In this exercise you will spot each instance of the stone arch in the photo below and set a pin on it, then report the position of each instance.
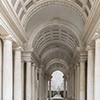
(46, 3)
(57, 23)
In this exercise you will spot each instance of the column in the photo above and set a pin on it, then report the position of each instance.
(75, 83)
(68, 87)
(28, 80)
(35, 94)
(7, 70)
(1, 69)
(36, 84)
(50, 89)
(64, 86)
(78, 81)
(22, 69)
(82, 78)
(97, 70)
(90, 74)
(40, 84)
(70, 83)
(33, 81)
(46, 78)
(46, 87)
(38, 90)
(17, 74)
(43, 86)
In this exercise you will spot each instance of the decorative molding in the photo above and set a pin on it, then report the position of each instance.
(6, 37)
(88, 48)
(96, 36)
(27, 56)
(11, 22)
(6, 29)
(82, 54)
(92, 26)
(17, 48)
(77, 64)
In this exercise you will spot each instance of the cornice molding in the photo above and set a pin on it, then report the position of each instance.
(92, 14)
(92, 26)
(10, 21)
(89, 48)
(6, 37)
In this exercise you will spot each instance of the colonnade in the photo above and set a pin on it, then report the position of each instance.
(76, 78)
(86, 73)
(19, 75)
(21, 78)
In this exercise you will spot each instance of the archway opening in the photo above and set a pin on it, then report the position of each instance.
(57, 85)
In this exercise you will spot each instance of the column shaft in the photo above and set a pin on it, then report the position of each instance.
(73, 85)
(50, 89)
(82, 80)
(1, 69)
(78, 83)
(70, 87)
(40, 84)
(28, 81)
(90, 75)
(46, 87)
(33, 82)
(17, 76)
(64, 87)
(97, 70)
(7, 71)
(22, 69)
(36, 91)
(67, 87)
(36, 84)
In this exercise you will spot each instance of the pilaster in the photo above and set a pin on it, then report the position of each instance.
(1, 68)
